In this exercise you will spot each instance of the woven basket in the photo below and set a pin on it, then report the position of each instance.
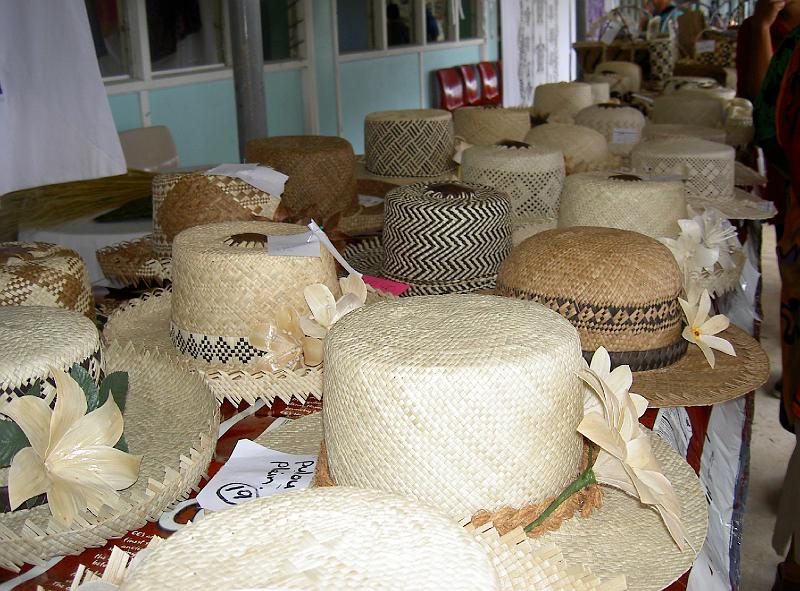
(621, 126)
(489, 125)
(561, 97)
(41, 274)
(663, 56)
(584, 149)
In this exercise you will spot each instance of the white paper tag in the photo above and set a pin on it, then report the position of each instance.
(369, 200)
(706, 46)
(294, 245)
(623, 135)
(254, 471)
(231, 170)
(261, 177)
(611, 32)
(326, 242)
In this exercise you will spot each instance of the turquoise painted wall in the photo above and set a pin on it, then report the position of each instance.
(285, 107)
(125, 110)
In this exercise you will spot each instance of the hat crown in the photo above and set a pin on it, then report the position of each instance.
(466, 402)
(584, 148)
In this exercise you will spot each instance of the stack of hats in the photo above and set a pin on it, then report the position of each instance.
(687, 110)
(41, 274)
(601, 92)
(709, 169)
(489, 125)
(567, 98)
(623, 201)
(584, 148)
(531, 177)
(622, 126)
(676, 130)
(439, 238)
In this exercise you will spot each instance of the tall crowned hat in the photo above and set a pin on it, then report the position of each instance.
(631, 71)
(617, 83)
(660, 131)
(499, 444)
(408, 146)
(601, 91)
(710, 172)
(489, 125)
(226, 289)
(584, 148)
(622, 126)
(41, 274)
(620, 289)
(687, 110)
(93, 493)
(180, 201)
(623, 201)
(561, 97)
(531, 177)
(439, 238)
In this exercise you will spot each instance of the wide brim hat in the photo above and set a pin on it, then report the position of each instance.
(621, 537)
(398, 181)
(171, 420)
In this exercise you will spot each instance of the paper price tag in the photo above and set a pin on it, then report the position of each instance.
(254, 471)
(294, 245)
(369, 200)
(611, 32)
(261, 177)
(706, 46)
(623, 135)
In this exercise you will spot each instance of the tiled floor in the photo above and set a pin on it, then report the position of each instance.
(771, 445)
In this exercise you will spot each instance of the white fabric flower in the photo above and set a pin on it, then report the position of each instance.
(626, 460)
(700, 329)
(285, 341)
(71, 457)
(325, 310)
(719, 234)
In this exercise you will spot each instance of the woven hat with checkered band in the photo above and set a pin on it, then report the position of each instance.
(181, 201)
(561, 97)
(620, 289)
(710, 172)
(171, 420)
(531, 177)
(471, 403)
(225, 288)
(584, 148)
(41, 274)
(620, 125)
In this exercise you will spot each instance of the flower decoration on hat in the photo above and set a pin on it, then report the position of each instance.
(72, 455)
(701, 329)
(325, 310)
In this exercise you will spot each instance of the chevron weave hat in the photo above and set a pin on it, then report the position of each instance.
(439, 238)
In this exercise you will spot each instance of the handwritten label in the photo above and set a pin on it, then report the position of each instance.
(254, 471)
(294, 245)
(611, 32)
(707, 46)
(623, 135)
(261, 177)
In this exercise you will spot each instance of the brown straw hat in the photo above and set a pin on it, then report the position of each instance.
(620, 289)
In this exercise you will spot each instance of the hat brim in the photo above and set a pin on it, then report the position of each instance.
(363, 174)
(135, 263)
(744, 206)
(623, 536)
(171, 420)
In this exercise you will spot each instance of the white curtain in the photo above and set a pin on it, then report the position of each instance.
(55, 120)
(537, 37)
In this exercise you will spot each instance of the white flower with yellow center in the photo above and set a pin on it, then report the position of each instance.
(72, 456)
(701, 329)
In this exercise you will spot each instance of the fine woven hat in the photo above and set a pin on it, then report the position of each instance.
(601, 92)
(681, 109)
(161, 186)
(620, 289)
(623, 201)
(349, 539)
(171, 420)
(660, 131)
(41, 274)
(719, 93)
(502, 432)
(561, 97)
(489, 125)
(629, 70)
(618, 84)
(620, 125)
(439, 238)
(710, 172)
(321, 171)
(584, 149)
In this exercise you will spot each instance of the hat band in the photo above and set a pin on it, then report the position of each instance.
(213, 349)
(645, 360)
(93, 364)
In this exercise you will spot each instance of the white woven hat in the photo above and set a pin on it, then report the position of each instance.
(561, 97)
(709, 170)
(617, 82)
(584, 148)
(675, 130)
(620, 125)
(171, 420)
(631, 71)
(675, 83)
(531, 177)
(489, 125)
(601, 91)
(686, 109)
(719, 93)
(623, 201)
(502, 435)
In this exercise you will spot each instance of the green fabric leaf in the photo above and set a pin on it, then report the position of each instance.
(35, 390)
(12, 439)
(85, 381)
(122, 445)
(117, 384)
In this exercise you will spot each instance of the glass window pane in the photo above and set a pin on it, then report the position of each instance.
(468, 21)
(184, 33)
(437, 21)
(107, 23)
(400, 23)
(356, 21)
(282, 24)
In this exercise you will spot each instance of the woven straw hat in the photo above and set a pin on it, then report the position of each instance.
(489, 125)
(349, 539)
(561, 97)
(601, 91)
(676, 83)
(503, 435)
(629, 70)
(620, 289)
(617, 82)
(660, 131)
(623, 201)
(710, 171)
(686, 109)
(584, 149)
(181, 201)
(719, 93)
(439, 238)
(620, 125)
(41, 274)
(171, 420)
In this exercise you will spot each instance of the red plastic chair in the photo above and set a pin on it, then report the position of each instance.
(490, 88)
(451, 89)
(471, 94)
